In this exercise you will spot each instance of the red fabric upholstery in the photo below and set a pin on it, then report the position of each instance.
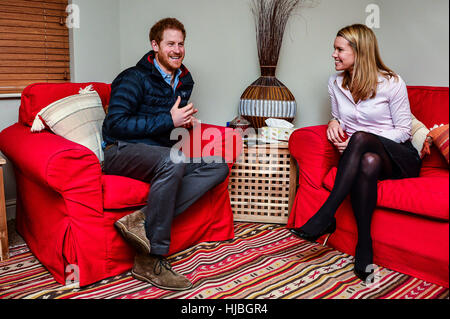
(410, 226)
(430, 106)
(66, 207)
(38, 95)
(132, 192)
(426, 196)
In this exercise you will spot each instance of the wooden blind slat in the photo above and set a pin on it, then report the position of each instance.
(34, 64)
(31, 70)
(42, 50)
(31, 24)
(33, 17)
(33, 57)
(26, 82)
(34, 43)
(32, 37)
(32, 11)
(25, 30)
(34, 77)
(50, 1)
(5, 88)
(33, 4)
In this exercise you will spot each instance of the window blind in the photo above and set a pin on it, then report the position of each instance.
(34, 43)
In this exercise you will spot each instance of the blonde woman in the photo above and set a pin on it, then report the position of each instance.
(369, 104)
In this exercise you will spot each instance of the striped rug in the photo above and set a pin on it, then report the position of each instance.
(263, 261)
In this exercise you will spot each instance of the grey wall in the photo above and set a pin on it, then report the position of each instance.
(222, 56)
(95, 46)
(221, 49)
(9, 113)
(414, 40)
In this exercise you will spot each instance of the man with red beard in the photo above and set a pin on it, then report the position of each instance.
(147, 102)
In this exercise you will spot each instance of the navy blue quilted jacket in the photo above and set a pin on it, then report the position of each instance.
(139, 108)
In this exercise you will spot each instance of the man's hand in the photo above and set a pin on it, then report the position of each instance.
(194, 121)
(183, 116)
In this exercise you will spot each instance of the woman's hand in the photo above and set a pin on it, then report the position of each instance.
(341, 146)
(335, 133)
(337, 136)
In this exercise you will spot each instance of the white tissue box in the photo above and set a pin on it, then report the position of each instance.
(276, 133)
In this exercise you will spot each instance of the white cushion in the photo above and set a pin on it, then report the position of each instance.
(419, 134)
(78, 118)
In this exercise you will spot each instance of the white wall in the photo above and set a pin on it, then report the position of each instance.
(95, 46)
(9, 113)
(222, 56)
(414, 40)
(221, 47)
(95, 56)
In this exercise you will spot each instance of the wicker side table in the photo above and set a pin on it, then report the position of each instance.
(4, 246)
(262, 184)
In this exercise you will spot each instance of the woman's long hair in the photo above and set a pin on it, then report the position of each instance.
(363, 81)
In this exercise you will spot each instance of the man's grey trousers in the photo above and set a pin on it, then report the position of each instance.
(173, 186)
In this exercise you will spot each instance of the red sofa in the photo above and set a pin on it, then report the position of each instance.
(410, 226)
(66, 207)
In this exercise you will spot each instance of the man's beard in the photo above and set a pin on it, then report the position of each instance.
(164, 61)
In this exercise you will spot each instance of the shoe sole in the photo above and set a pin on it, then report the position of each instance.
(137, 242)
(142, 278)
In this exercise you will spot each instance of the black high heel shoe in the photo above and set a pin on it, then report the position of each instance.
(361, 274)
(330, 229)
(361, 267)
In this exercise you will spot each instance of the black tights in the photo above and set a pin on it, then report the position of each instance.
(362, 164)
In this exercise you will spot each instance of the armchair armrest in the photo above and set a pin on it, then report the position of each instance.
(315, 155)
(53, 161)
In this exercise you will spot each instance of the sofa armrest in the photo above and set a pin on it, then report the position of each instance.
(315, 155)
(53, 161)
(213, 140)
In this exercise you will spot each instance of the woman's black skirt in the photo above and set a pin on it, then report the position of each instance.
(404, 156)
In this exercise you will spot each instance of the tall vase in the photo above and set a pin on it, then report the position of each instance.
(267, 98)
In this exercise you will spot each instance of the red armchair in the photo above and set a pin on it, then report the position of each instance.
(66, 207)
(410, 226)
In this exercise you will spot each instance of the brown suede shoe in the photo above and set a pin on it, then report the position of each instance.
(158, 271)
(133, 230)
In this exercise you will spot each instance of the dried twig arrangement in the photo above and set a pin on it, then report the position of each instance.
(271, 17)
(267, 97)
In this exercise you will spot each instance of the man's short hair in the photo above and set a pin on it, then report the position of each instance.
(156, 32)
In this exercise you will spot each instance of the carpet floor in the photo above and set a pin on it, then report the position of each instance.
(263, 261)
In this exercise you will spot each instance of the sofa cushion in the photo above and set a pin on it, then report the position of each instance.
(121, 192)
(78, 118)
(38, 95)
(439, 136)
(419, 133)
(429, 104)
(425, 195)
